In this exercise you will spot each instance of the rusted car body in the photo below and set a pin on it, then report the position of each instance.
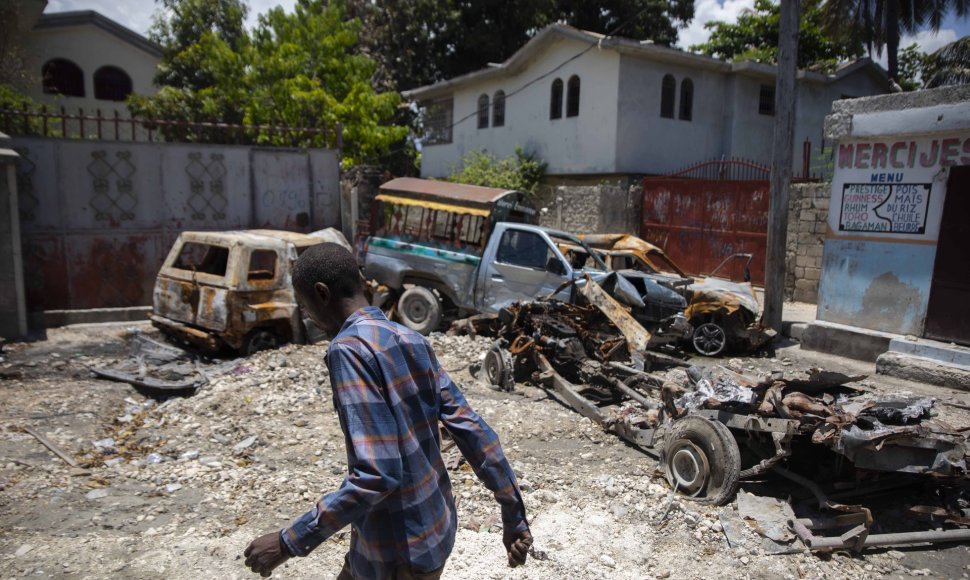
(723, 312)
(219, 290)
(814, 430)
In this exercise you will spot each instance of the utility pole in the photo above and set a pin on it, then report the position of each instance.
(783, 141)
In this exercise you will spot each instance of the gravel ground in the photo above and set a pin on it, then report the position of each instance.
(177, 489)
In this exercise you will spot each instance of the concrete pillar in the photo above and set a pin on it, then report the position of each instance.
(13, 305)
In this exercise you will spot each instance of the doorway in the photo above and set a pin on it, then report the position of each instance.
(947, 314)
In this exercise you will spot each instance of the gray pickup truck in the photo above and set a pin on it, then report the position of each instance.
(426, 278)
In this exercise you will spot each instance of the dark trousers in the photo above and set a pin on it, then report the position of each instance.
(402, 572)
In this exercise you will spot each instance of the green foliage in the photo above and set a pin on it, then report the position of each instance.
(755, 37)
(912, 64)
(521, 172)
(949, 65)
(12, 99)
(297, 69)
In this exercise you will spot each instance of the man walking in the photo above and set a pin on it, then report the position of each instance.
(390, 394)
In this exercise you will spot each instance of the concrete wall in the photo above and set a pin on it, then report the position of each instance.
(90, 48)
(807, 222)
(609, 207)
(582, 144)
(892, 164)
(99, 217)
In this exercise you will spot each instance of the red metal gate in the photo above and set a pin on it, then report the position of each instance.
(700, 222)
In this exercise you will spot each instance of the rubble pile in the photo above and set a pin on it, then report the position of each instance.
(176, 487)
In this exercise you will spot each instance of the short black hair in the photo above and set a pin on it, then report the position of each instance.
(331, 264)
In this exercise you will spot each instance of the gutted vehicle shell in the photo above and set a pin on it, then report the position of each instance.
(219, 290)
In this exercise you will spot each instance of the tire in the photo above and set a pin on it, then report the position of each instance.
(260, 339)
(709, 339)
(701, 458)
(420, 310)
(497, 369)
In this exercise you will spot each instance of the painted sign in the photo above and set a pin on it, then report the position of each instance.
(898, 208)
(894, 187)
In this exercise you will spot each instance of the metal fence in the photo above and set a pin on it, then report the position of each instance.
(61, 123)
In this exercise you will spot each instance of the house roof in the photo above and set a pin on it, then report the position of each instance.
(444, 190)
(645, 49)
(84, 17)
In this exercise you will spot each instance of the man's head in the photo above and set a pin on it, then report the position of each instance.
(328, 285)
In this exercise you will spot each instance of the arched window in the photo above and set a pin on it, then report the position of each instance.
(667, 90)
(498, 109)
(62, 77)
(555, 100)
(111, 84)
(483, 112)
(686, 100)
(572, 97)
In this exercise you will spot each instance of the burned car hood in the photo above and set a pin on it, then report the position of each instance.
(642, 286)
(733, 295)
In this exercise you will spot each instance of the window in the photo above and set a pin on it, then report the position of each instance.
(686, 100)
(524, 249)
(62, 77)
(262, 265)
(111, 84)
(498, 109)
(437, 122)
(572, 97)
(483, 112)
(766, 100)
(668, 87)
(202, 258)
(555, 100)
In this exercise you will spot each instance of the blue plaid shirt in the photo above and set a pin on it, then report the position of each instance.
(390, 394)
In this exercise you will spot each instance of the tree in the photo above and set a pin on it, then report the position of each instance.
(912, 66)
(755, 37)
(299, 69)
(879, 23)
(949, 65)
(521, 172)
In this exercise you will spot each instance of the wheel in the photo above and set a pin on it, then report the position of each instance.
(260, 339)
(420, 310)
(497, 367)
(702, 460)
(710, 339)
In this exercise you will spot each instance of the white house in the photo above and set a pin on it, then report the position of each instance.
(84, 60)
(593, 106)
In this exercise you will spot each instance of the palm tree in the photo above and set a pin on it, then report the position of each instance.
(949, 66)
(881, 22)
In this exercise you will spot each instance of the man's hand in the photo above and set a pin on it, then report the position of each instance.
(517, 546)
(266, 553)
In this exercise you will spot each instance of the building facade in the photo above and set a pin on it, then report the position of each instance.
(85, 61)
(595, 106)
(895, 258)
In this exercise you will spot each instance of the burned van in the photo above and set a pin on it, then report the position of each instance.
(233, 290)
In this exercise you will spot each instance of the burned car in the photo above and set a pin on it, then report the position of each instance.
(232, 290)
(716, 427)
(723, 312)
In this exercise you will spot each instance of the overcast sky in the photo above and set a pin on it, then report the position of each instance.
(137, 14)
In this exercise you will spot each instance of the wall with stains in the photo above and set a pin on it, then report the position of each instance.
(98, 218)
(892, 163)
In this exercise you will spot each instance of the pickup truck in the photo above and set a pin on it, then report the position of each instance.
(519, 262)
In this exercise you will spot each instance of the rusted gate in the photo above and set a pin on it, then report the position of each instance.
(707, 212)
(98, 217)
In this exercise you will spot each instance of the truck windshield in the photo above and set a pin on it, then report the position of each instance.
(579, 254)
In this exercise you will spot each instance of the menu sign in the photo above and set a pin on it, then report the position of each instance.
(897, 208)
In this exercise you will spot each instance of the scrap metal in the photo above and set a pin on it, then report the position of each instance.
(591, 356)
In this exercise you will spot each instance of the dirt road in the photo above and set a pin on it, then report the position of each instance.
(176, 489)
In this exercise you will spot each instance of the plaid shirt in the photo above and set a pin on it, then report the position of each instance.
(390, 393)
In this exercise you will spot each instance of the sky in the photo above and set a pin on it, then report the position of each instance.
(137, 15)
